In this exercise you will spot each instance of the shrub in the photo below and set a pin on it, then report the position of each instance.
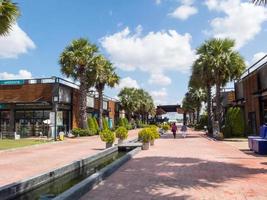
(165, 127)
(234, 123)
(82, 132)
(105, 123)
(203, 121)
(107, 136)
(121, 122)
(96, 124)
(145, 135)
(154, 132)
(91, 125)
(121, 133)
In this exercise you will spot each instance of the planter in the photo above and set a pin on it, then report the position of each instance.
(152, 142)
(108, 145)
(145, 146)
(120, 141)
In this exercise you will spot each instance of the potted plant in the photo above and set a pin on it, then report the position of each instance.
(145, 136)
(107, 136)
(154, 134)
(121, 134)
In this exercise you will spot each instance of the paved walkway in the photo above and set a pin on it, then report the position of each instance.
(190, 168)
(19, 164)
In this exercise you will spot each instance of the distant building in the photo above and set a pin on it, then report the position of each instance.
(251, 95)
(45, 106)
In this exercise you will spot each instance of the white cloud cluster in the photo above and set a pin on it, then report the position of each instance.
(242, 20)
(16, 43)
(159, 96)
(22, 74)
(158, 2)
(128, 82)
(159, 79)
(155, 52)
(184, 11)
(258, 56)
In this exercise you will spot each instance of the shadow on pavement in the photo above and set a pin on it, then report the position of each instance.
(168, 177)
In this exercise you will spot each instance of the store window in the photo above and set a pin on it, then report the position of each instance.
(4, 121)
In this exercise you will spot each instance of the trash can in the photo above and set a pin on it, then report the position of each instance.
(61, 136)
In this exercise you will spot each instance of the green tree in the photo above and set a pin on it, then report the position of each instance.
(105, 76)
(91, 125)
(9, 12)
(77, 61)
(96, 124)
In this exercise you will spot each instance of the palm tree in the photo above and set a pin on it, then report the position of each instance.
(203, 78)
(260, 2)
(77, 61)
(228, 65)
(105, 75)
(9, 13)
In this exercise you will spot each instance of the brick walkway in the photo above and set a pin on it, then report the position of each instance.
(190, 168)
(23, 163)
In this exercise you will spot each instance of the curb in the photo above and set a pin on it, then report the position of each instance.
(86, 185)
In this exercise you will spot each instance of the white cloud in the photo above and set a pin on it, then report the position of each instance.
(257, 56)
(159, 79)
(16, 43)
(22, 74)
(127, 82)
(183, 12)
(158, 2)
(154, 53)
(242, 20)
(160, 96)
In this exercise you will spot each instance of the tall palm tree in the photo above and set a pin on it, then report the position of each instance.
(105, 76)
(203, 77)
(228, 65)
(77, 61)
(9, 13)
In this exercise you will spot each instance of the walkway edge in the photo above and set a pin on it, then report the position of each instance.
(86, 185)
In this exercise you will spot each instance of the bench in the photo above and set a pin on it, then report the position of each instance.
(263, 135)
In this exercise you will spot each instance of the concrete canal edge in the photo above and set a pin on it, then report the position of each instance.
(14, 189)
(87, 184)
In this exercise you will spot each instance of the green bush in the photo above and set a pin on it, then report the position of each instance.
(105, 123)
(203, 121)
(82, 132)
(234, 123)
(96, 124)
(154, 132)
(145, 135)
(166, 127)
(107, 136)
(91, 125)
(121, 133)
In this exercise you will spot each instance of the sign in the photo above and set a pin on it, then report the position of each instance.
(90, 102)
(11, 82)
(52, 118)
(59, 118)
(3, 106)
(64, 95)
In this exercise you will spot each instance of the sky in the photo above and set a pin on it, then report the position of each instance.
(151, 43)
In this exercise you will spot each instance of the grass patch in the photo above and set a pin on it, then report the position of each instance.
(11, 144)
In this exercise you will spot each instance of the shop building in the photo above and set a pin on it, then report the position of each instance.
(46, 106)
(251, 95)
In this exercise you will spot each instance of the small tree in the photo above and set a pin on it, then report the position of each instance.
(96, 124)
(91, 125)
(105, 123)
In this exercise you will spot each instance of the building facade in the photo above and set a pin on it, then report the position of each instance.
(251, 96)
(46, 106)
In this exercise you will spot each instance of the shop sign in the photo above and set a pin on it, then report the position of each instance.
(64, 95)
(11, 82)
(60, 118)
(90, 102)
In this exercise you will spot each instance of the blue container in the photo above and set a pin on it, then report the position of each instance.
(263, 135)
(260, 146)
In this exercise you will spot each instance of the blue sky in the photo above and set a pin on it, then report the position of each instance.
(151, 42)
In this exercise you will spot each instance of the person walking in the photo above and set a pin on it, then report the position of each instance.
(174, 129)
(184, 130)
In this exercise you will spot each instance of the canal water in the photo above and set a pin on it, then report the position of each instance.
(51, 189)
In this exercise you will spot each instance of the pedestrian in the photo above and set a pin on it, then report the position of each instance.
(174, 129)
(184, 130)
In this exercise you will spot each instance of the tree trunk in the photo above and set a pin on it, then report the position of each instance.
(210, 129)
(198, 113)
(218, 104)
(100, 108)
(83, 98)
(184, 118)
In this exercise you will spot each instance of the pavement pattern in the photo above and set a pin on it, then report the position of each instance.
(19, 164)
(184, 169)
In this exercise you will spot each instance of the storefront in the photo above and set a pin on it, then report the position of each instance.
(45, 107)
